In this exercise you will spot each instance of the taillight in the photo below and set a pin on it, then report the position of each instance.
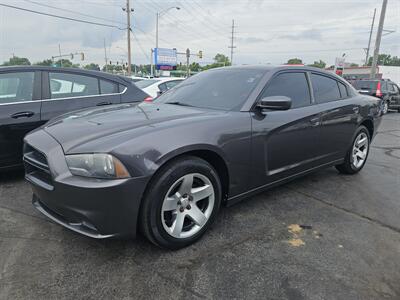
(378, 89)
(148, 99)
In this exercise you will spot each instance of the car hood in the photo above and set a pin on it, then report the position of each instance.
(81, 127)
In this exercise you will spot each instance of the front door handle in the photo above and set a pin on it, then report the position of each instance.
(104, 103)
(314, 121)
(356, 109)
(22, 114)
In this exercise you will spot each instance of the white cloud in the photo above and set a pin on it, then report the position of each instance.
(269, 31)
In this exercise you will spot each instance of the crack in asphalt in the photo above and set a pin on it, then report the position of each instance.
(390, 227)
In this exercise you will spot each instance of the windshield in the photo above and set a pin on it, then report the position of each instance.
(145, 83)
(224, 89)
(365, 85)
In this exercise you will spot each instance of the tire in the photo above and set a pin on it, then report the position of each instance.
(171, 200)
(354, 163)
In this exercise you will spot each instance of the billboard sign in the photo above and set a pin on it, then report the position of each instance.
(165, 59)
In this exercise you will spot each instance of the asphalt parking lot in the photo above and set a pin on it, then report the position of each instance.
(325, 236)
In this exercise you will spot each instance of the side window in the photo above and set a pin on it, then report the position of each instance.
(343, 90)
(16, 87)
(107, 87)
(162, 87)
(396, 88)
(171, 84)
(64, 85)
(391, 87)
(325, 89)
(292, 85)
(121, 88)
(384, 86)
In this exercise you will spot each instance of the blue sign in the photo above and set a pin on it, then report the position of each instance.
(165, 59)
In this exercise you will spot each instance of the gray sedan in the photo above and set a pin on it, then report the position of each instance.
(165, 168)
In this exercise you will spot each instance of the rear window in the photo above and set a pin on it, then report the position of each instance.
(365, 84)
(145, 83)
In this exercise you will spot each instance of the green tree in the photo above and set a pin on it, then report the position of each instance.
(222, 59)
(92, 66)
(66, 63)
(17, 61)
(318, 64)
(45, 62)
(354, 65)
(386, 60)
(294, 61)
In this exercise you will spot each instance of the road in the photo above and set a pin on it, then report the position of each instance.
(325, 236)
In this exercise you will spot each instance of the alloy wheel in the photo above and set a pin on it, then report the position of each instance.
(360, 150)
(385, 107)
(187, 205)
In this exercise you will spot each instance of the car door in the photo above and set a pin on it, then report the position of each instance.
(19, 112)
(67, 91)
(285, 141)
(339, 115)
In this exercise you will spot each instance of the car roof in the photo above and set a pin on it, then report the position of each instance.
(62, 69)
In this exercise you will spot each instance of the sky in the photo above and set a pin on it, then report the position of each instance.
(266, 32)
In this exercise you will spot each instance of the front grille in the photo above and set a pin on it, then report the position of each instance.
(36, 166)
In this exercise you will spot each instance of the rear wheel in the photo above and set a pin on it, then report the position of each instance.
(357, 155)
(181, 203)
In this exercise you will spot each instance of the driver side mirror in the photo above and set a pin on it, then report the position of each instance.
(275, 103)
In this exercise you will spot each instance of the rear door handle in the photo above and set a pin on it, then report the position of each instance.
(104, 103)
(356, 109)
(22, 114)
(314, 121)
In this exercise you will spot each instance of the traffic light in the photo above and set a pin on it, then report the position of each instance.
(82, 56)
(200, 54)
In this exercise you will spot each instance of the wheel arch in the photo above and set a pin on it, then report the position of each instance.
(369, 124)
(214, 156)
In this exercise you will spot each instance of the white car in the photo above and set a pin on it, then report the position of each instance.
(156, 86)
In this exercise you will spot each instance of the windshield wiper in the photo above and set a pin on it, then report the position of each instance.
(179, 103)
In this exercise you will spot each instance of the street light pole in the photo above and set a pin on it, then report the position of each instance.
(160, 14)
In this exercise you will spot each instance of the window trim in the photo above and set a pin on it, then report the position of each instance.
(267, 84)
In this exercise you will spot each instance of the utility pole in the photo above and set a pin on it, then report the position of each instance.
(128, 11)
(187, 62)
(105, 56)
(232, 38)
(369, 41)
(378, 39)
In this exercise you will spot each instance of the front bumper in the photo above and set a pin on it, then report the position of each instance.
(97, 208)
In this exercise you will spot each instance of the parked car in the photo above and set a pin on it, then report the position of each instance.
(384, 89)
(224, 134)
(32, 95)
(136, 78)
(156, 86)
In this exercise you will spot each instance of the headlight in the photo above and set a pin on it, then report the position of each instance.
(96, 165)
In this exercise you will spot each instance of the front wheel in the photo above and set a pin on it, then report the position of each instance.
(357, 154)
(181, 203)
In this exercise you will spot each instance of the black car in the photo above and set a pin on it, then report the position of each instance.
(384, 89)
(222, 135)
(32, 95)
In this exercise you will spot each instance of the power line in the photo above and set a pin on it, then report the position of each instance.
(60, 17)
(74, 12)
